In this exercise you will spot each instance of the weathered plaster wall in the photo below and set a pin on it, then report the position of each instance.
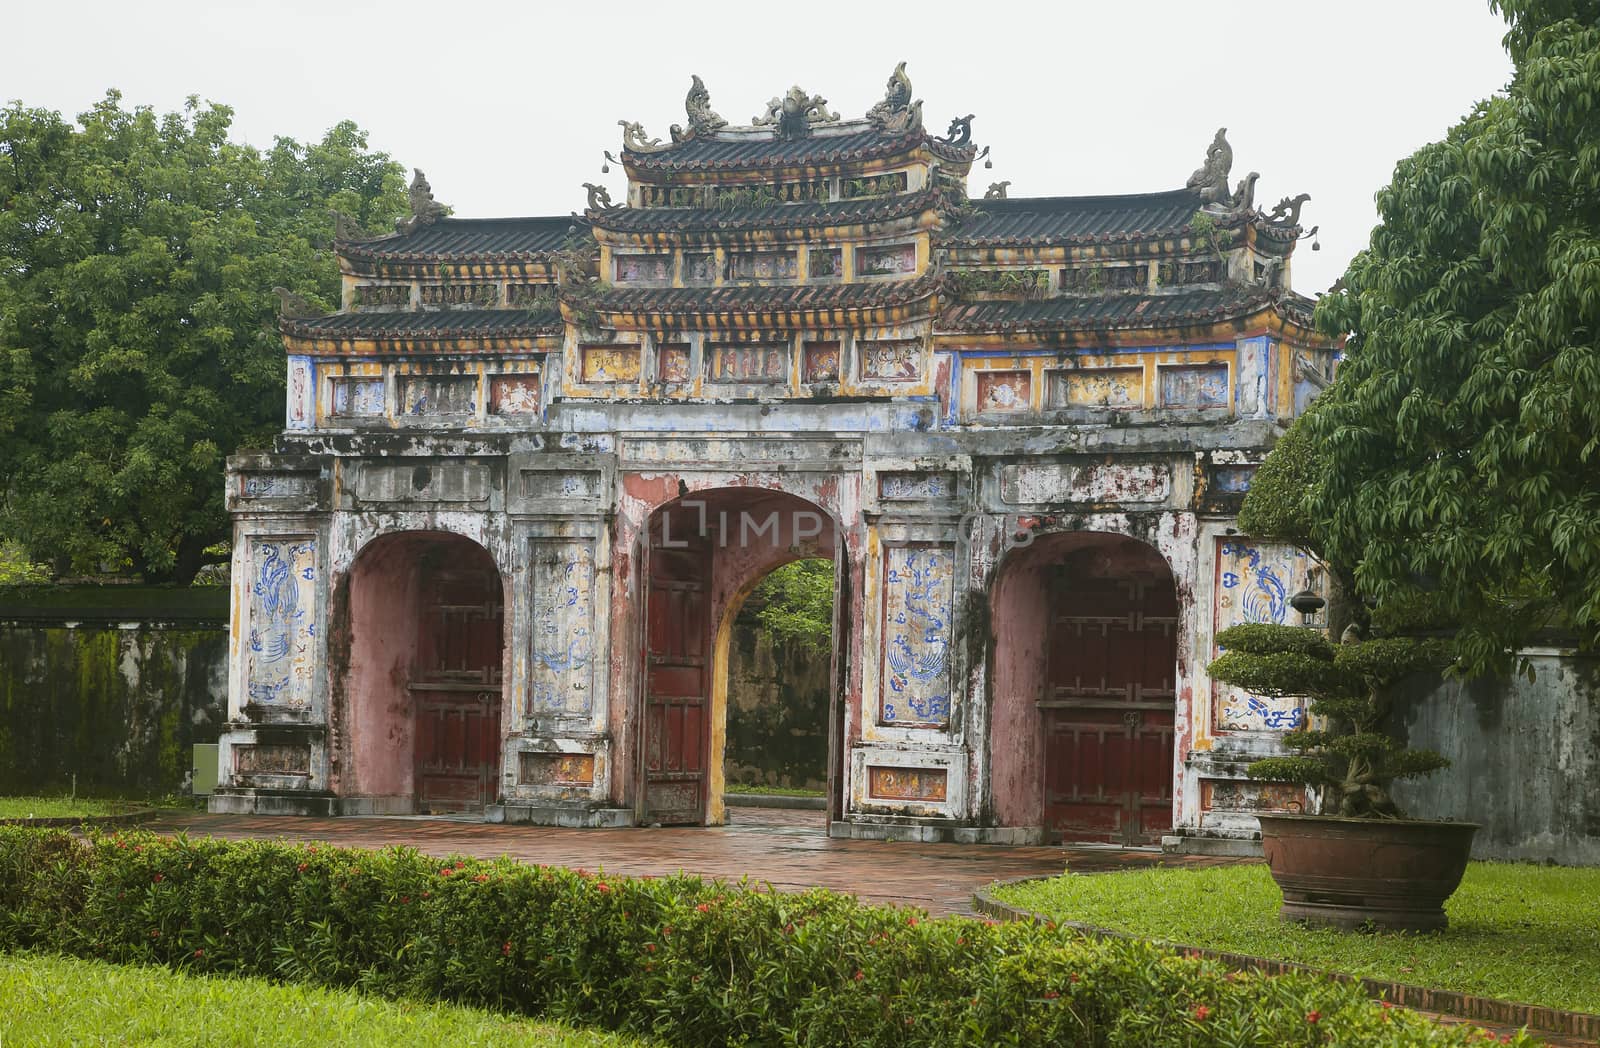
(93, 688)
(1526, 759)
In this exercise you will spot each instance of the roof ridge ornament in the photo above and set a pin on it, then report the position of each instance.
(896, 111)
(349, 230)
(792, 115)
(1287, 211)
(425, 210)
(960, 133)
(294, 307)
(996, 190)
(599, 197)
(1211, 178)
(635, 140)
(697, 106)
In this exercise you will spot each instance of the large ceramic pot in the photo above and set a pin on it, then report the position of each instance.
(1349, 873)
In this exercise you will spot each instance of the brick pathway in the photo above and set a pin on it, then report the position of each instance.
(786, 848)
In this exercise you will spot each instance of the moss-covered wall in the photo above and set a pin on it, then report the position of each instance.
(112, 685)
(777, 709)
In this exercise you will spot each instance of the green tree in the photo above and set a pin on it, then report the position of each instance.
(137, 337)
(1460, 444)
(797, 604)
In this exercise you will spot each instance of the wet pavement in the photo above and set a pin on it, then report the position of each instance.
(784, 847)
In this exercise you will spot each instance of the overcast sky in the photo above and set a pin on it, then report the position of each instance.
(508, 106)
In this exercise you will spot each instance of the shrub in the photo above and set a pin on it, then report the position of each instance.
(682, 960)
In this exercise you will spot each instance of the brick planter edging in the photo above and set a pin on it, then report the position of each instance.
(1537, 1018)
(72, 822)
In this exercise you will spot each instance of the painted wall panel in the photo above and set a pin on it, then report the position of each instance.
(1253, 584)
(918, 595)
(281, 654)
(563, 627)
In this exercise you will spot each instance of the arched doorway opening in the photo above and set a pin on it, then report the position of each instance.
(707, 552)
(424, 685)
(1085, 667)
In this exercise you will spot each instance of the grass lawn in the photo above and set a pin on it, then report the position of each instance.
(48, 1001)
(1517, 932)
(60, 807)
(771, 791)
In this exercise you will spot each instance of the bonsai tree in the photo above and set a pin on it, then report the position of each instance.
(1350, 758)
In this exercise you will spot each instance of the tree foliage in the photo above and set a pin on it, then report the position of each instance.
(1461, 439)
(1349, 685)
(137, 340)
(797, 604)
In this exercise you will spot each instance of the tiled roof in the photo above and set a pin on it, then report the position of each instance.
(777, 216)
(724, 152)
(428, 324)
(1065, 220)
(470, 237)
(1102, 312)
(767, 298)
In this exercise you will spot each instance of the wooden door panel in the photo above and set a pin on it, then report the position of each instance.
(677, 694)
(455, 685)
(1107, 715)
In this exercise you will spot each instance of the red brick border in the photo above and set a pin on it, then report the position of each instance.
(1537, 1018)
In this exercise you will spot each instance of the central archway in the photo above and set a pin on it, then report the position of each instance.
(706, 554)
(423, 687)
(1085, 664)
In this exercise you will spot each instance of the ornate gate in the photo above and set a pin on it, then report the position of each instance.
(1108, 706)
(677, 686)
(455, 685)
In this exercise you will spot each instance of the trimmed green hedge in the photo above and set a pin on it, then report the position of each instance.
(684, 961)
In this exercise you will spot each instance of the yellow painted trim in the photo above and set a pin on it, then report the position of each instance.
(721, 669)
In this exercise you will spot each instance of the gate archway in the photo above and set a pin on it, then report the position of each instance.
(706, 553)
(1085, 666)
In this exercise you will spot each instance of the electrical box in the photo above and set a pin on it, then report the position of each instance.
(204, 776)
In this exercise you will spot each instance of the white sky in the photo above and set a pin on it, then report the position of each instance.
(507, 106)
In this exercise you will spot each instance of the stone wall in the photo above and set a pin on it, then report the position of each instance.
(1526, 759)
(777, 708)
(111, 684)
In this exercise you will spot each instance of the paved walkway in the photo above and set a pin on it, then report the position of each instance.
(786, 848)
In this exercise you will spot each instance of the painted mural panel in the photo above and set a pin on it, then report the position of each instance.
(1248, 795)
(1203, 386)
(826, 262)
(891, 361)
(556, 769)
(1121, 388)
(301, 391)
(1256, 372)
(514, 395)
(610, 363)
(358, 397)
(918, 601)
(908, 784)
(561, 678)
(699, 269)
(821, 362)
(907, 485)
(1005, 390)
(764, 265)
(423, 396)
(672, 363)
(1253, 584)
(281, 652)
(886, 261)
(746, 363)
(640, 269)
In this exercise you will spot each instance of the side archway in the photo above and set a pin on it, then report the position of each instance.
(1084, 669)
(421, 692)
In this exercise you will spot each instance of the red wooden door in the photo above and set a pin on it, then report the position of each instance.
(1108, 708)
(455, 686)
(677, 682)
